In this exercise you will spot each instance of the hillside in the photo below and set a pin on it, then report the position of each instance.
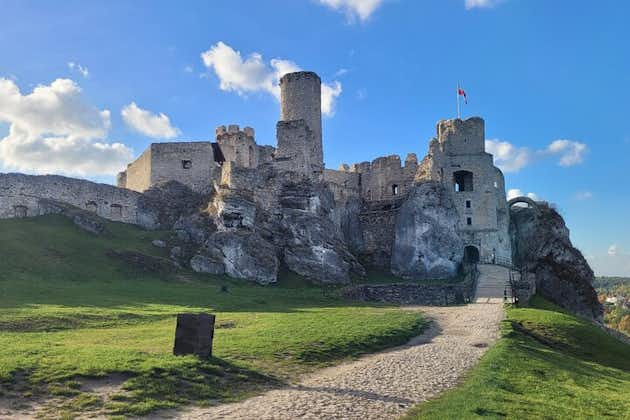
(87, 325)
(548, 364)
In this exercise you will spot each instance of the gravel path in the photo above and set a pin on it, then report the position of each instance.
(384, 385)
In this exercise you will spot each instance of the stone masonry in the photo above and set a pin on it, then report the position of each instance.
(257, 204)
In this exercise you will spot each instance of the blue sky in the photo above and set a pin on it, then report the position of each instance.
(536, 71)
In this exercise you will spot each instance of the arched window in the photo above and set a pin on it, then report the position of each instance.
(463, 181)
(395, 190)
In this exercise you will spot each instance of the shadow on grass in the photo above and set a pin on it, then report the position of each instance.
(203, 382)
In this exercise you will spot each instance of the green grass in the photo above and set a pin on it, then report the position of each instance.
(547, 365)
(69, 311)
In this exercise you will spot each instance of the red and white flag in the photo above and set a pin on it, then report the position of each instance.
(462, 92)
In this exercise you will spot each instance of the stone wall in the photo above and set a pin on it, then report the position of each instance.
(137, 177)
(378, 222)
(462, 136)
(237, 145)
(385, 178)
(457, 158)
(414, 293)
(190, 163)
(301, 99)
(343, 184)
(21, 196)
(297, 149)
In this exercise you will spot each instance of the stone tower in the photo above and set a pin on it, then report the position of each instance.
(299, 131)
(457, 158)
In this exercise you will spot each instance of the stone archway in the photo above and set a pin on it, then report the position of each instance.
(471, 254)
(525, 200)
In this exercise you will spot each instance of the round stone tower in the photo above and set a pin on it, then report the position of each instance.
(301, 99)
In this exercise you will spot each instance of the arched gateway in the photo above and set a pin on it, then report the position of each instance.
(471, 254)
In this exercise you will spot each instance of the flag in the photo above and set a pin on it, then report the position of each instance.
(462, 92)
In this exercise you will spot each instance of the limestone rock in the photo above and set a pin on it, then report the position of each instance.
(242, 255)
(312, 244)
(541, 246)
(206, 264)
(158, 243)
(169, 201)
(234, 211)
(426, 244)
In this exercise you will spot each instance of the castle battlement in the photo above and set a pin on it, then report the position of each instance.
(231, 130)
(459, 136)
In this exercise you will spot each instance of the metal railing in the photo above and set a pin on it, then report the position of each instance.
(509, 293)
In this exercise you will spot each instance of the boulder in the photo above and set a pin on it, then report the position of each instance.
(426, 244)
(169, 201)
(312, 244)
(542, 248)
(239, 255)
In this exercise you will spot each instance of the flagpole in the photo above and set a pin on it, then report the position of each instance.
(457, 93)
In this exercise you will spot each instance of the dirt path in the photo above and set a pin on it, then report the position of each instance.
(384, 385)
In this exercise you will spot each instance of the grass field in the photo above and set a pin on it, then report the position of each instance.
(72, 311)
(547, 365)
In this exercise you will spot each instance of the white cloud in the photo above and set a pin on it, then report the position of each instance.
(508, 157)
(252, 74)
(511, 158)
(516, 192)
(616, 262)
(612, 250)
(148, 123)
(361, 9)
(471, 4)
(188, 69)
(83, 71)
(52, 129)
(570, 152)
(341, 72)
(583, 195)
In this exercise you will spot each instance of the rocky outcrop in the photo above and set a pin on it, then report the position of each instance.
(426, 244)
(311, 243)
(248, 233)
(541, 247)
(170, 201)
(239, 255)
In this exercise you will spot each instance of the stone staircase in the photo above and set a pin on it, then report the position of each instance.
(492, 283)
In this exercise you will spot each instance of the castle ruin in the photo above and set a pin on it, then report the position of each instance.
(356, 209)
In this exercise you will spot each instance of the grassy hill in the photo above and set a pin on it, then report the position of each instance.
(73, 308)
(547, 365)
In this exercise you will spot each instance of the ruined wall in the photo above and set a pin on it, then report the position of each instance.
(297, 149)
(378, 223)
(457, 158)
(20, 196)
(385, 178)
(191, 163)
(462, 136)
(299, 131)
(343, 184)
(237, 145)
(137, 177)
(237, 177)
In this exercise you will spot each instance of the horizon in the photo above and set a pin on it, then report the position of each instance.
(546, 78)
